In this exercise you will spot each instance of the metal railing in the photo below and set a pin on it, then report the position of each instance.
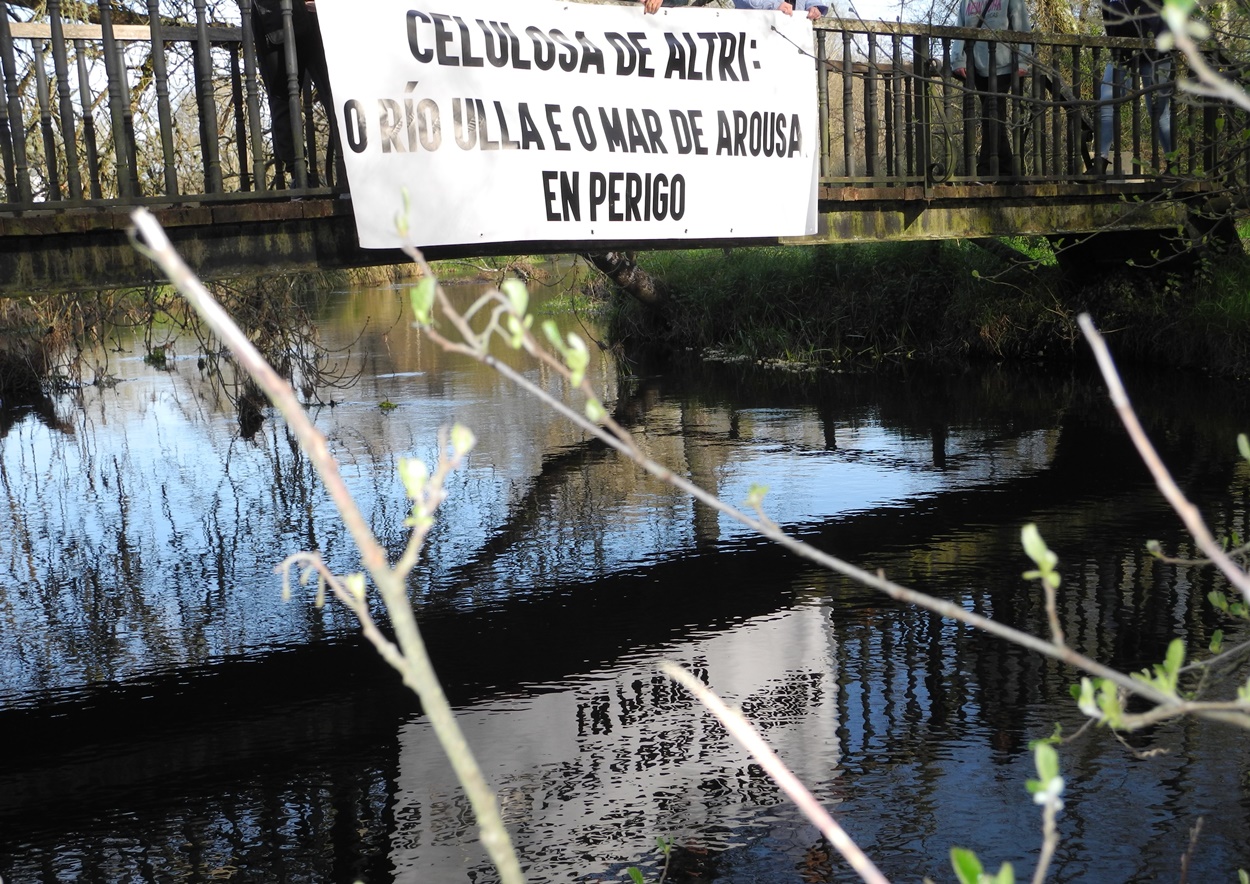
(894, 113)
(102, 113)
(158, 113)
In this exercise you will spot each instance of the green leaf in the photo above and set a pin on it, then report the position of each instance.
(356, 585)
(552, 331)
(967, 867)
(518, 295)
(1047, 760)
(595, 411)
(1035, 548)
(1243, 445)
(1217, 641)
(1176, 657)
(422, 297)
(462, 440)
(635, 875)
(1218, 600)
(577, 357)
(414, 474)
(1006, 874)
(1243, 877)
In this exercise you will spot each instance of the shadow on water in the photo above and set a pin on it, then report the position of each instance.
(172, 719)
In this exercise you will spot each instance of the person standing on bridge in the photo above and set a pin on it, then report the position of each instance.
(810, 8)
(310, 63)
(1141, 20)
(992, 82)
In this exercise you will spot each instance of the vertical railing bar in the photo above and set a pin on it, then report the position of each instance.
(6, 147)
(88, 120)
(887, 119)
(1037, 119)
(117, 95)
(970, 100)
(17, 124)
(848, 108)
(912, 114)
(240, 119)
(164, 115)
(253, 97)
(294, 93)
(208, 102)
(924, 128)
(822, 96)
(1136, 114)
(65, 96)
(128, 119)
(1058, 114)
(948, 112)
(871, 135)
(43, 95)
(1097, 71)
(897, 106)
(310, 134)
(989, 135)
(1075, 134)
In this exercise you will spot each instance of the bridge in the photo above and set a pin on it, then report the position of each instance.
(125, 110)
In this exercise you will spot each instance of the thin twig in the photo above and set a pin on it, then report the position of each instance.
(416, 669)
(1163, 479)
(749, 738)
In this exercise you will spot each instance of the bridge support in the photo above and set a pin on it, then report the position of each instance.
(90, 249)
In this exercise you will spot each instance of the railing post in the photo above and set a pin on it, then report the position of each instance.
(6, 147)
(924, 123)
(17, 123)
(119, 103)
(65, 98)
(162, 98)
(253, 97)
(848, 107)
(295, 94)
(870, 110)
(822, 93)
(88, 120)
(209, 136)
(43, 95)
(898, 122)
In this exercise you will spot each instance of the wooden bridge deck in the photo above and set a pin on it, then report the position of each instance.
(183, 132)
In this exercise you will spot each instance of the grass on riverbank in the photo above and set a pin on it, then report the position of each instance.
(843, 306)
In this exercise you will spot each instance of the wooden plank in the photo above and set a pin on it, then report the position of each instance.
(139, 33)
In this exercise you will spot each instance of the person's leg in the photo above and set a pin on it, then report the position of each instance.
(272, 63)
(1156, 78)
(988, 152)
(1109, 91)
(313, 57)
(1007, 167)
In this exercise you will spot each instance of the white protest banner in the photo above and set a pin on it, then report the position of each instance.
(539, 120)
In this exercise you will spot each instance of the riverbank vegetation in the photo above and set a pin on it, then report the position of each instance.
(843, 306)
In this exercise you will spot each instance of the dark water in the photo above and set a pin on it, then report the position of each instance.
(167, 717)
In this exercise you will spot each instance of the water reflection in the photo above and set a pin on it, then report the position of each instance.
(149, 670)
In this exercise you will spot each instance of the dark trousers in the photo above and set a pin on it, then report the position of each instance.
(310, 64)
(995, 159)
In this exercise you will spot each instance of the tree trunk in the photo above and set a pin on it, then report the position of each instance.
(621, 268)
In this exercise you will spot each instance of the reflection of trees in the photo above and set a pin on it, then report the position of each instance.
(277, 320)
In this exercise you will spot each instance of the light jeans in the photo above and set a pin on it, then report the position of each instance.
(1158, 100)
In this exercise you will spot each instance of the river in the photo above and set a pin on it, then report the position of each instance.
(167, 716)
